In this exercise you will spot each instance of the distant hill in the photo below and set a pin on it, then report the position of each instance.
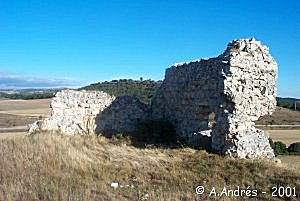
(142, 89)
(145, 89)
(281, 116)
(27, 94)
(288, 103)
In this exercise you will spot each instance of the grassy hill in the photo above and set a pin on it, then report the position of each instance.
(145, 89)
(288, 103)
(59, 167)
(142, 89)
(281, 116)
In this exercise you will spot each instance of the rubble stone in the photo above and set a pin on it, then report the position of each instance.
(84, 113)
(238, 87)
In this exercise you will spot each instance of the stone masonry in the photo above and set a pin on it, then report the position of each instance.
(84, 113)
(219, 97)
(122, 116)
(237, 87)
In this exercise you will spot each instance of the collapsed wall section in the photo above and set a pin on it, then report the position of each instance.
(85, 113)
(239, 86)
(74, 112)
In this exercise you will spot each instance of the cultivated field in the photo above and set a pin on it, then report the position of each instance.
(281, 116)
(286, 136)
(15, 115)
(31, 108)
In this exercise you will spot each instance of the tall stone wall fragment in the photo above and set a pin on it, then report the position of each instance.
(238, 87)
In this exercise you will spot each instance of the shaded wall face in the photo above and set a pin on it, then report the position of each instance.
(122, 116)
(189, 94)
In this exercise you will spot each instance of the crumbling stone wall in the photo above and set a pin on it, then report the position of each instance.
(74, 112)
(235, 89)
(122, 116)
(238, 87)
(82, 112)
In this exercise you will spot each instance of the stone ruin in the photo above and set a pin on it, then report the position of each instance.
(237, 88)
(219, 98)
(86, 113)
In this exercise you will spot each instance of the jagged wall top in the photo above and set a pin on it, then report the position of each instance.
(238, 86)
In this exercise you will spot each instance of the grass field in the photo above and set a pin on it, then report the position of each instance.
(35, 108)
(285, 136)
(22, 112)
(59, 167)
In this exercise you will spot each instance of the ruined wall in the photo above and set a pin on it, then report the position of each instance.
(122, 116)
(219, 97)
(74, 112)
(82, 112)
(238, 87)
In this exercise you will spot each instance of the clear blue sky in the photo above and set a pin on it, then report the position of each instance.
(76, 42)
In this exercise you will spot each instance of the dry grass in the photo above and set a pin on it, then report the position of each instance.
(57, 167)
(286, 136)
(292, 162)
(35, 107)
(11, 135)
(22, 112)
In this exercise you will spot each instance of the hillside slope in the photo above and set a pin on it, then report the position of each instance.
(58, 167)
(281, 116)
(142, 89)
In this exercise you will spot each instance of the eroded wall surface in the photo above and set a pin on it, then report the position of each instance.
(92, 112)
(238, 87)
(219, 97)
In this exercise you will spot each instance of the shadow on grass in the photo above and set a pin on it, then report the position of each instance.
(158, 133)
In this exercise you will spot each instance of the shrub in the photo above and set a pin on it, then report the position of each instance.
(278, 147)
(295, 147)
(156, 131)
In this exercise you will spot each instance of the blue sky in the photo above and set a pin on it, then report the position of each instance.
(76, 42)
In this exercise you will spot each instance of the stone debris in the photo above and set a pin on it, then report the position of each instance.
(114, 185)
(34, 127)
(217, 98)
(238, 87)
